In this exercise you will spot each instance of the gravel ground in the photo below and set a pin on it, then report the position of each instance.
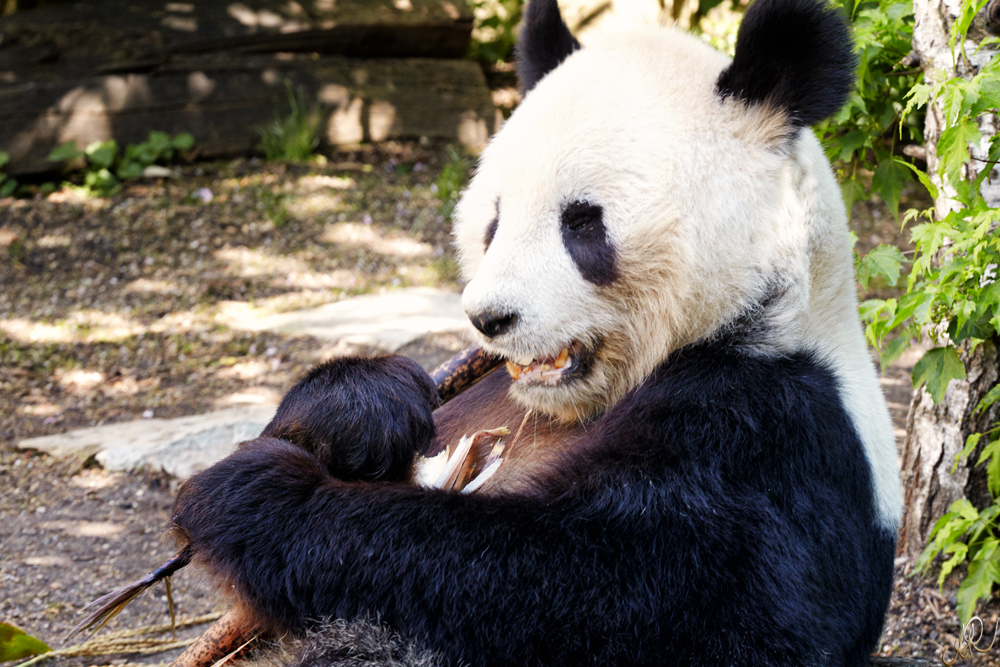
(117, 308)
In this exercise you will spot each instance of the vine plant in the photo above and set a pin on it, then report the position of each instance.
(951, 292)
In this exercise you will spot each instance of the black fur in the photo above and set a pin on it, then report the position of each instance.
(361, 418)
(795, 55)
(491, 231)
(720, 514)
(360, 643)
(543, 43)
(586, 240)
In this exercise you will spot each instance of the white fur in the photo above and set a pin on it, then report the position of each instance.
(709, 206)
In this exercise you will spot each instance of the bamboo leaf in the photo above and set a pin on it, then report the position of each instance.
(16, 644)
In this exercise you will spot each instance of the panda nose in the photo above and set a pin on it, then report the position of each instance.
(491, 323)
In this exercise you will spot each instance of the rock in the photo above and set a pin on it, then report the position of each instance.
(180, 447)
(407, 318)
(387, 321)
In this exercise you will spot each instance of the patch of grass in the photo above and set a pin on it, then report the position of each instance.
(274, 204)
(454, 176)
(7, 184)
(294, 136)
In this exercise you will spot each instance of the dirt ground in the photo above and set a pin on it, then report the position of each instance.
(121, 308)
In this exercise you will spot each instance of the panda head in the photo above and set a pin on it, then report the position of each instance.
(646, 193)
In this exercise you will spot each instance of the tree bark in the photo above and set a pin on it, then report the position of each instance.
(935, 434)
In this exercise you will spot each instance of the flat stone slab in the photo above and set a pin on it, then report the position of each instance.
(187, 445)
(180, 447)
(386, 321)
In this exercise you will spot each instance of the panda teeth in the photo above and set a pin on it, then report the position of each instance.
(547, 367)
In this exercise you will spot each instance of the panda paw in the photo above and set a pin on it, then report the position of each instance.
(363, 418)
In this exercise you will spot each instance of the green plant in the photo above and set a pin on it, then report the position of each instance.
(15, 644)
(7, 184)
(449, 184)
(494, 30)
(274, 204)
(295, 136)
(951, 292)
(862, 138)
(106, 167)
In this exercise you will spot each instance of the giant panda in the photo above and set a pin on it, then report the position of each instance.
(706, 472)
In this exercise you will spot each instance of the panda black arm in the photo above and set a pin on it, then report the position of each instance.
(576, 579)
(363, 418)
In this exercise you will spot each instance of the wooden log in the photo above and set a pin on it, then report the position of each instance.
(103, 35)
(223, 98)
(884, 661)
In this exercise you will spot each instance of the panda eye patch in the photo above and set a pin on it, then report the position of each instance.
(580, 215)
(586, 240)
(491, 229)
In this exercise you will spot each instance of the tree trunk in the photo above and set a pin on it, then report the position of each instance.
(935, 434)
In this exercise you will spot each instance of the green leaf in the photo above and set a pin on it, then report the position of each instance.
(976, 327)
(970, 446)
(959, 551)
(16, 644)
(7, 187)
(986, 549)
(102, 154)
(953, 147)
(893, 350)
(101, 181)
(961, 26)
(851, 190)
(917, 97)
(183, 141)
(67, 151)
(869, 310)
(991, 456)
(978, 585)
(159, 143)
(4, 158)
(888, 181)
(989, 399)
(936, 368)
(129, 170)
(924, 179)
(885, 260)
(705, 6)
(144, 154)
(851, 142)
(985, 169)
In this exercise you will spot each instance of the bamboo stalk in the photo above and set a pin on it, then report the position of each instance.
(231, 633)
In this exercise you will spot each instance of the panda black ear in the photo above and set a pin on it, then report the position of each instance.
(795, 55)
(544, 42)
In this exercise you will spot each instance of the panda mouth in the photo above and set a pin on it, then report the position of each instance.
(568, 363)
